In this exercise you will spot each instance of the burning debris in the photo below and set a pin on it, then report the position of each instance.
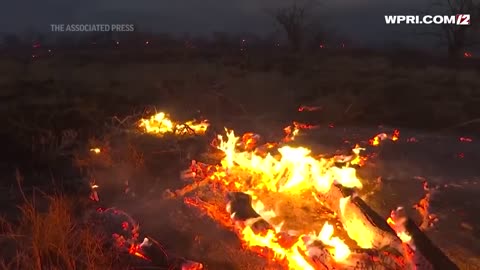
(262, 184)
(423, 207)
(292, 131)
(305, 108)
(93, 192)
(375, 141)
(160, 124)
(124, 233)
(123, 229)
(353, 237)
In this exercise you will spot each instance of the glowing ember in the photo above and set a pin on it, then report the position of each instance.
(161, 124)
(309, 108)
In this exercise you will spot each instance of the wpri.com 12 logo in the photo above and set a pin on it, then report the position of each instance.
(462, 19)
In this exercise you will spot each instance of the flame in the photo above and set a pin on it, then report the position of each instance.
(271, 240)
(396, 221)
(341, 250)
(358, 159)
(96, 150)
(396, 135)
(161, 124)
(292, 131)
(292, 171)
(136, 251)
(292, 254)
(375, 141)
(354, 226)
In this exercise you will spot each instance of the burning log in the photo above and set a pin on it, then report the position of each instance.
(240, 208)
(423, 245)
(316, 254)
(420, 250)
(248, 220)
(358, 218)
(295, 172)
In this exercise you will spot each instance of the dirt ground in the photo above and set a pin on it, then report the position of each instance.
(58, 107)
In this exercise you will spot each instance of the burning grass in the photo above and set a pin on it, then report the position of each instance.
(160, 124)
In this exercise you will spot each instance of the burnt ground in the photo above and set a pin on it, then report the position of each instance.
(42, 105)
(402, 166)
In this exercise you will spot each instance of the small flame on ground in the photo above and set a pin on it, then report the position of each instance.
(136, 251)
(161, 124)
(375, 141)
(396, 135)
(396, 220)
(292, 131)
(96, 150)
(358, 159)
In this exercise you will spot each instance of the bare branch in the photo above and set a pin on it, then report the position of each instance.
(294, 21)
(457, 37)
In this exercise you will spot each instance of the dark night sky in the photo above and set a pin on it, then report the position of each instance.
(360, 20)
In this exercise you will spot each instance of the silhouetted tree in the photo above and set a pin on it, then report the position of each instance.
(458, 37)
(294, 20)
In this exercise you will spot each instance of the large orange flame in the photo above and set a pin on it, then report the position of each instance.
(292, 171)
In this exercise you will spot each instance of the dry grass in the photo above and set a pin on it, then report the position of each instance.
(52, 239)
(71, 95)
(375, 89)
